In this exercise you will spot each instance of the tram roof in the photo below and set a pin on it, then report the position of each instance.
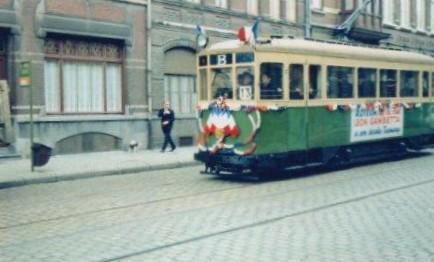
(312, 47)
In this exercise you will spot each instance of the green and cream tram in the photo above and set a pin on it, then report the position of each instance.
(291, 103)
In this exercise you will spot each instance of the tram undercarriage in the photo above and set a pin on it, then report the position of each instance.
(228, 163)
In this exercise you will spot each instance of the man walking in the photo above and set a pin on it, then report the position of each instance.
(167, 118)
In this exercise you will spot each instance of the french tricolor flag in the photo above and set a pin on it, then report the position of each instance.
(249, 34)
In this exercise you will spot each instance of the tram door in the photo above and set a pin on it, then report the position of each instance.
(298, 112)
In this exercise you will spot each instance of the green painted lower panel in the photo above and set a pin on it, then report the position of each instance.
(299, 128)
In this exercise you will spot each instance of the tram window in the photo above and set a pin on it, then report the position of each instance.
(425, 84)
(387, 83)
(432, 84)
(271, 81)
(221, 83)
(367, 82)
(245, 80)
(340, 82)
(296, 83)
(203, 81)
(314, 82)
(409, 84)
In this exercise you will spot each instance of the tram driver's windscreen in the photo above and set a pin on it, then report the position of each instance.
(271, 81)
(221, 83)
(245, 81)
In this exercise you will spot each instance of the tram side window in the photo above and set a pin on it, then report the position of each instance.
(203, 84)
(432, 84)
(340, 82)
(245, 80)
(425, 84)
(409, 84)
(314, 82)
(221, 82)
(271, 81)
(296, 83)
(387, 83)
(367, 82)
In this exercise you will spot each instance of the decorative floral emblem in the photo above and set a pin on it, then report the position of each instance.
(221, 125)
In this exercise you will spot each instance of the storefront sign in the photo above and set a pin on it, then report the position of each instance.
(379, 122)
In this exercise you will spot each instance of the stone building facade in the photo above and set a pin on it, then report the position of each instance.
(101, 70)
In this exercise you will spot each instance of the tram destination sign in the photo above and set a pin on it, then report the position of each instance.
(371, 123)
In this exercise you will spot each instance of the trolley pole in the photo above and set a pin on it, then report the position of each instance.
(25, 81)
(307, 19)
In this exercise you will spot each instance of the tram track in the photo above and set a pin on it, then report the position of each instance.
(183, 198)
(271, 220)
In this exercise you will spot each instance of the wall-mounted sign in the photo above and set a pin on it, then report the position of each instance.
(25, 79)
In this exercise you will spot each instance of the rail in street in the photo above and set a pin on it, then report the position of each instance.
(379, 211)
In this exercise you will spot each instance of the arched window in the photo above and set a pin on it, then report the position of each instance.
(180, 79)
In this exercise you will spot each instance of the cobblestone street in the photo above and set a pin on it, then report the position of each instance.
(376, 212)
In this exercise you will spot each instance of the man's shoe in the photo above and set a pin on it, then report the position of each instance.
(162, 150)
(173, 149)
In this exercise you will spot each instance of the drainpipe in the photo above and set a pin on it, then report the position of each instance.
(149, 55)
(307, 19)
(149, 68)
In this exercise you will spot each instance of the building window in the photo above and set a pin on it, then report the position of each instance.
(432, 16)
(421, 15)
(82, 76)
(316, 4)
(252, 7)
(405, 13)
(288, 10)
(275, 9)
(388, 12)
(349, 5)
(221, 3)
(180, 91)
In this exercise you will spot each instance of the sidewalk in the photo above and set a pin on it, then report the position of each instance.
(16, 172)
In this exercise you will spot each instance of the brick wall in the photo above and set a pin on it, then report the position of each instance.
(5, 3)
(67, 7)
(108, 12)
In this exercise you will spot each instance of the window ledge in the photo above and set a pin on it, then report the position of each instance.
(318, 11)
(81, 118)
